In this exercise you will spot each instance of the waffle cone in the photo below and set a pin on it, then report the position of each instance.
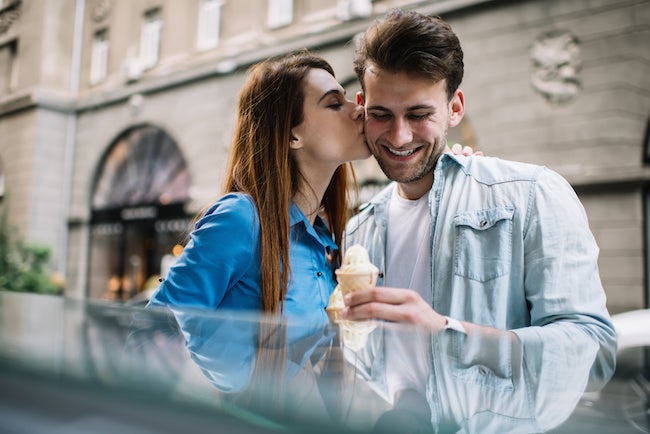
(355, 281)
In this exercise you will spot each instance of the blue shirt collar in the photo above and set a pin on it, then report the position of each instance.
(319, 230)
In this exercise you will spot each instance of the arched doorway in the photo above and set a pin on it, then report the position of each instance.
(138, 216)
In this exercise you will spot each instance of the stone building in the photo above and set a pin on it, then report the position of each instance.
(115, 116)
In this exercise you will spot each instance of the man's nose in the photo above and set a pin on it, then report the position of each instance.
(400, 133)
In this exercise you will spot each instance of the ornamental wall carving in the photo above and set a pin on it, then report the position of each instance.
(101, 10)
(9, 15)
(556, 63)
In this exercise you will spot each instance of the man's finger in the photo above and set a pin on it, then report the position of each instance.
(376, 294)
(373, 310)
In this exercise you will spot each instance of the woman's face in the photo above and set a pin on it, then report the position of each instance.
(331, 132)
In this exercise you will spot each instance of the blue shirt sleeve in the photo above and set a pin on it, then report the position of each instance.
(223, 250)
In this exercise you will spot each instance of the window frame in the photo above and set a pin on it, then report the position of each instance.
(279, 13)
(208, 34)
(150, 38)
(99, 56)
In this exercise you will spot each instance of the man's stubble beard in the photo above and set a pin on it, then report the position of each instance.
(424, 168)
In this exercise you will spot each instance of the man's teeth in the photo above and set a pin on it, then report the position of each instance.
(401, 153)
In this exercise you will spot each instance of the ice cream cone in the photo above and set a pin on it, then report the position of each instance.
(334, 314)
(356, 281)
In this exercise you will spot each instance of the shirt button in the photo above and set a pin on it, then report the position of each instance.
(483, 223)
(319, 274)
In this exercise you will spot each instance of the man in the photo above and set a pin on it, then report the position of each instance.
(495, 258)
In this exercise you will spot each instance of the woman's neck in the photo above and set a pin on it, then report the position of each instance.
(308, 206)
(311, 191)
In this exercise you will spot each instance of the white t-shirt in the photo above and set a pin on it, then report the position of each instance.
(408, 265)
(408, 245)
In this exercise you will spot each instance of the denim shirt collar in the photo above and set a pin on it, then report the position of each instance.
(448, 158)
(380, 200)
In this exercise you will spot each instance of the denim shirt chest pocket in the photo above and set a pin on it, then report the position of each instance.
(483, 244)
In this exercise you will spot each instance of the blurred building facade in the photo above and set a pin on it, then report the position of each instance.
(116, 115)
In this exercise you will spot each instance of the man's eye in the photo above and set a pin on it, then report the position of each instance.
(419, 116)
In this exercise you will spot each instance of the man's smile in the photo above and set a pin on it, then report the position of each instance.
(401, 153)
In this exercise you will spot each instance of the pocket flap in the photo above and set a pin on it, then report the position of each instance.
(484, 219)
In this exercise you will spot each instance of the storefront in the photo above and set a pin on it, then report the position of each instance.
(138, 219)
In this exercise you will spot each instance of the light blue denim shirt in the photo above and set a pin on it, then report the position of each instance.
(511, 249)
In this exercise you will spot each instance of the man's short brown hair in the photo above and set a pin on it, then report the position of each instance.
(413, 43)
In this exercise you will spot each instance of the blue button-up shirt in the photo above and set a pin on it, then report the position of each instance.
(510, 249)
(220, 266)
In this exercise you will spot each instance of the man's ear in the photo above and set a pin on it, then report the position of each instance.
(360, 98)
(456, 108)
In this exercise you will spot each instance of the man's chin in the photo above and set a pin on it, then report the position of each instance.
(402, 175)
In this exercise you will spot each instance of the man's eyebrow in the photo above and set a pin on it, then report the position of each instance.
(408, 109)
(422, 107)
(330, 92)
(377, 107)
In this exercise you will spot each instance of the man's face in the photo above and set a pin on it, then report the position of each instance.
(406, 125)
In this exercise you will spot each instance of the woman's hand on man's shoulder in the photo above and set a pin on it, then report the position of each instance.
(458, 149)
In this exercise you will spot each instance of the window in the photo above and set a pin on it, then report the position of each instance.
(8, 67)
(280, 13)
(646, 221)
(350, 9)
(209, 24)
(99, 57)
(646, 145)
(150, 38)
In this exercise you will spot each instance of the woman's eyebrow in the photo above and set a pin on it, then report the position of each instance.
(330, 92)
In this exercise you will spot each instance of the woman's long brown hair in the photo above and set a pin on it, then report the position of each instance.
(261, 164)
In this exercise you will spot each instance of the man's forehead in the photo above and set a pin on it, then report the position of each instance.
(399, 92)
(378, 74)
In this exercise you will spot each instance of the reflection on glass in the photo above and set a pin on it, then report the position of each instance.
(299, 376)
(296, 373)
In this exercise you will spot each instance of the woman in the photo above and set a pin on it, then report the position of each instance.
(263, 244)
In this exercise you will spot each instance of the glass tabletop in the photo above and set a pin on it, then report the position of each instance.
(79, 365)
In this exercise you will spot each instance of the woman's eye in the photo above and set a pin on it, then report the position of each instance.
(335, 105)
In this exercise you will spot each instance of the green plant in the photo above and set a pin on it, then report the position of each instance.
(23, 267)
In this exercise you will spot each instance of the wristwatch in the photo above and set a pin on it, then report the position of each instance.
(454, 324)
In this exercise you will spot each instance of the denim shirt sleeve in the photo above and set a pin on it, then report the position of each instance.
(568, 344)
(223, 347)
(570, 325)
(221, 250)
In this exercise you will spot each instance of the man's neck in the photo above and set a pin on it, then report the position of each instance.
(416, 189)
